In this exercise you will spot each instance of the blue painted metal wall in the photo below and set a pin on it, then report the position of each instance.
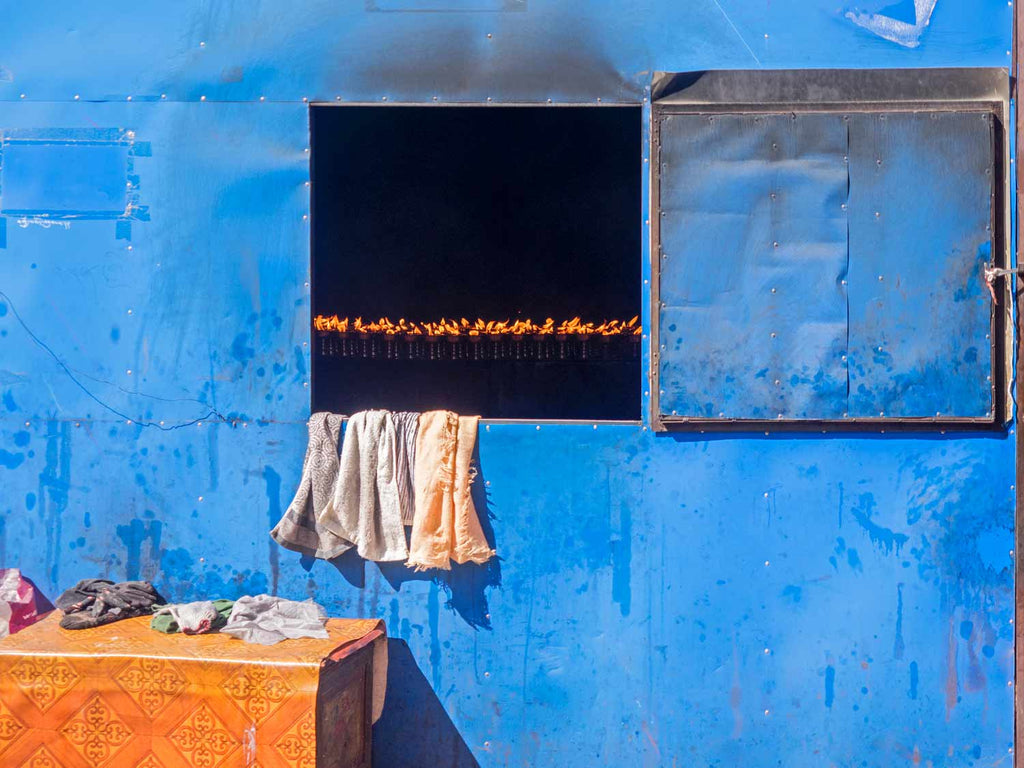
(661, 600)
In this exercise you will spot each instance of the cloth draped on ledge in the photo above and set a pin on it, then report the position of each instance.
(395, 470)
(364, 508)
(446, 526)
(406, 428)
(298, 529)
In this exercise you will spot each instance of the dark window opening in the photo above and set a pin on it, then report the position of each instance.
(478, 213)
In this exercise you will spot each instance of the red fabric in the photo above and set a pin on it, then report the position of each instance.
(23, 603)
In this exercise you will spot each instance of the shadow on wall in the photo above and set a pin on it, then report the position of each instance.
(414, 731)
(466, 585)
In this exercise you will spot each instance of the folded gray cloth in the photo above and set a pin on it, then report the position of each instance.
(266, 620)
(298, 529)
(364, 508)
(407, 424)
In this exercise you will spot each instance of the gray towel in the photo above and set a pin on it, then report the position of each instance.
(298, 529)
(364, 508)
(406, 426)
(267, 620)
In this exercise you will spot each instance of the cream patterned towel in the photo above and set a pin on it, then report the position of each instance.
(298, 529)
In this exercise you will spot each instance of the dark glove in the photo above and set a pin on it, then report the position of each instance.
(93, 602)
(80, 596)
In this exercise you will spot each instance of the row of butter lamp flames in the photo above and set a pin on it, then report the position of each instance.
(463, 327)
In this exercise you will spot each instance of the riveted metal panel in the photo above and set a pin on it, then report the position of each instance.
(752, 320)
(727, 364)
(464, 50)
(920, 213)
(199, 309)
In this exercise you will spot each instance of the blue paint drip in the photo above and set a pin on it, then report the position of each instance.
(178, 579)
(273, 481)
(393, 620)
(840, 505)
(133, 535)
(994, 545)
(898, 645)
(622, 555)
(240, 350)
(54, 484)
(21, 439)
(214, 456)
(913, 679)
(854, 559)
(240, 583)
(830, 685)
(884, 538)
(9, 403)
(433, 611)
(11, 460)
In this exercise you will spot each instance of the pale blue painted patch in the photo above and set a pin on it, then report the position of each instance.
(42, 178)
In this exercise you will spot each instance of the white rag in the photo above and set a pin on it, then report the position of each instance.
(365, 508)
(192, 618)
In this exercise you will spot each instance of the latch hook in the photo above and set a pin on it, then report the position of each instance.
(994, 273)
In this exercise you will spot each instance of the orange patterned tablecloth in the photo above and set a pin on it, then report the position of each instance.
(126, 695)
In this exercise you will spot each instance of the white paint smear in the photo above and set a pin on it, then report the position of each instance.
(899, 32)
(24, 223)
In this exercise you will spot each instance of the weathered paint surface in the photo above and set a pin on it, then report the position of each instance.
(825, 266)
(413, 49)
(701, 600)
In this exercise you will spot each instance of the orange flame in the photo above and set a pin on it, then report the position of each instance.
(463, 327)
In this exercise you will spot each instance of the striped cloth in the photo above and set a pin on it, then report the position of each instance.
(406, 426)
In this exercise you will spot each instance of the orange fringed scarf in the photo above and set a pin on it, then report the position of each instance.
(446, 525)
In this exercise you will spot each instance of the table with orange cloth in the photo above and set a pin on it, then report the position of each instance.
(126, 695)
